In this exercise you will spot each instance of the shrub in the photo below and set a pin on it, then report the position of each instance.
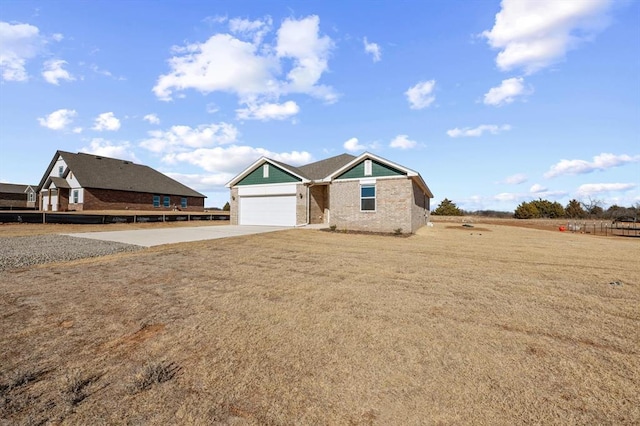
(447, 208)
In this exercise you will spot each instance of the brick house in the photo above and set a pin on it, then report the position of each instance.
(17, 197)
(93, 182)
(366, 193)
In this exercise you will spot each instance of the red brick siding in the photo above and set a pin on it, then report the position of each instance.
(13, 200)
(105, 199)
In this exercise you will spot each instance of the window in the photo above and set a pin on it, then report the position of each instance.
(75, 196)
(183, 203)
(60, 171)
(32, 197)
(368, 169)
(367, 198)
(167, 201)
(70, 175)
(265, 171)
(156, 201)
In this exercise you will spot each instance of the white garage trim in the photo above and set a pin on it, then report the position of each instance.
(273, 210)
(273, 189)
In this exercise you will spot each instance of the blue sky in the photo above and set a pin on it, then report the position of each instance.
(493, 103)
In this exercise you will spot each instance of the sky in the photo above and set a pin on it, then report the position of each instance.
(493, 103)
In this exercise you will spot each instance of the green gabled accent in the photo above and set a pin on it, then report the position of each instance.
(377, 170)
(276, 175)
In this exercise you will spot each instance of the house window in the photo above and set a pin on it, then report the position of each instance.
(70, 175)
(368, 169)
(75, 196)
(183, 202)
(265, 171)
(167, 201)
(60, 171)
(32, 197)
(156, 201)
(367, 198)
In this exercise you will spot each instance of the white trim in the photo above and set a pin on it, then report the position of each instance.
(368, 167)
(255, 164)
(265, 170)
(371, 179)
(368, 155)
(265, 190)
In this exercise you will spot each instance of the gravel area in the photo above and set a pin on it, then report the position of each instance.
(18, 252)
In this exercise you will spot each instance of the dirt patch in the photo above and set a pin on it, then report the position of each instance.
(469, 228)
(519, 326)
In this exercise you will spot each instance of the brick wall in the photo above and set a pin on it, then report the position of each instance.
(12, 200)
(105, 199)
(317, 203)
(301, 204)
(419, 208)
(233, 203)
(394, 200)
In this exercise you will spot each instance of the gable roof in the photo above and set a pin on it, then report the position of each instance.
(322, 169)
(289, 169)
(15, 188)
(99, 172)
(326, 170)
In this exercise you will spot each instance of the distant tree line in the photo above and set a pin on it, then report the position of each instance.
(536, 209)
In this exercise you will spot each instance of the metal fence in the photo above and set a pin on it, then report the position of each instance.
(606, 228)
(95, 219)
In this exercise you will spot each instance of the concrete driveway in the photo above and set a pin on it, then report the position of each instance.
(156, 237)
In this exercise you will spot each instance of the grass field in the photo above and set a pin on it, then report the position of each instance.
(486, 325)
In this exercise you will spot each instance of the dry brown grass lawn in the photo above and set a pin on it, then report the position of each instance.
(501, 325)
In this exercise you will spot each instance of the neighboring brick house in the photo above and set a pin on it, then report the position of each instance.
(17, 197)
(94, 182)
(356, 193)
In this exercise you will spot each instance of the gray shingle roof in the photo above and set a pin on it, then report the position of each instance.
(14, 188)
(323, 168)
(95, 171)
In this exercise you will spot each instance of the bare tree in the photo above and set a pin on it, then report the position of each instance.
(593, 207)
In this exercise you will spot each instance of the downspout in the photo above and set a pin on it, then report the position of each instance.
(308, 193)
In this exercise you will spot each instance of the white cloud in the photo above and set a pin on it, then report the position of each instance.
(507, 92)
(420, 96)
(99, 146)
(600, 162)
(18, 43)
(537, 188)
(184, 138)
(533, 34)
(222, 63)
(58, 120)
(252, 69)
(151, 118)
(352, 145)
(373, 49)
(106, 121)
(253, 29)
(234, 158)
(403, 142)
(300, 41)
(478, 131)
(515, 179)
(203, 182)
(268, 111)
(599, 188)
(53, 71)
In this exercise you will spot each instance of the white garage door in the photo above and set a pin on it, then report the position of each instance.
(279, 210)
